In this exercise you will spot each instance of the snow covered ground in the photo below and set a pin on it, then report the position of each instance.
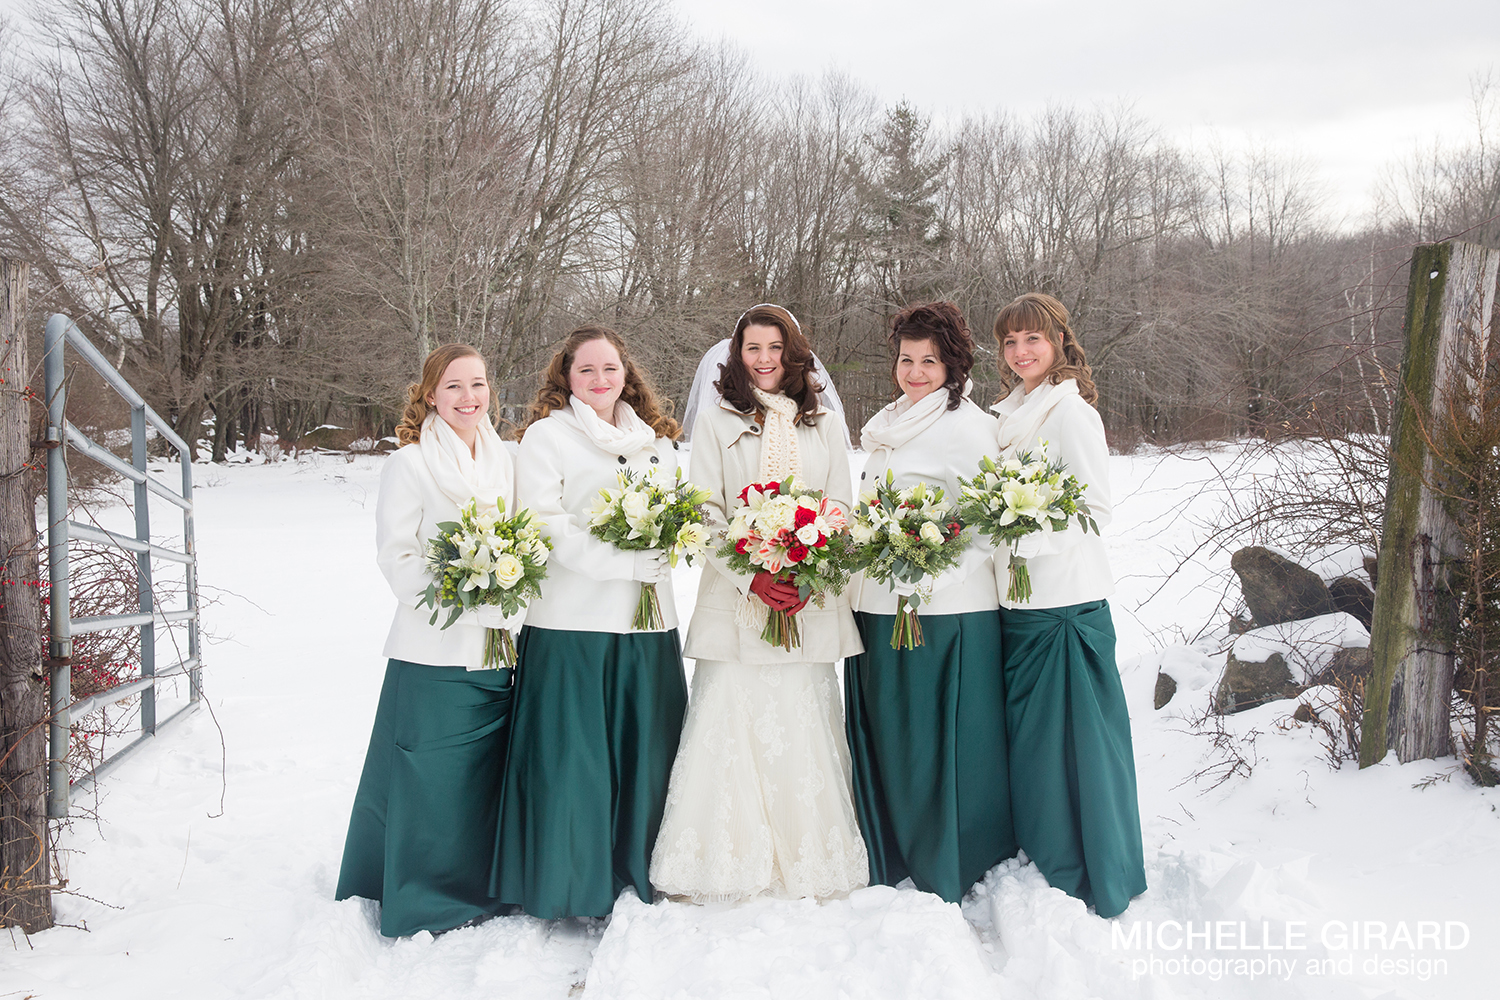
(1286, 879)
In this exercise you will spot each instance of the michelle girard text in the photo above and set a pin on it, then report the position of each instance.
(1280, 949)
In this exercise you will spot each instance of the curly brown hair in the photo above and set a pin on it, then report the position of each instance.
(409, 430)
(797, 379)
(553, 392)
(1040, 312)
(942, 323)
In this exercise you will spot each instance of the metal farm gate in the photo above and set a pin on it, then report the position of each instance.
(62, 435)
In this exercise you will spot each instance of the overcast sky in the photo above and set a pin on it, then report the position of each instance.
(1349, 86)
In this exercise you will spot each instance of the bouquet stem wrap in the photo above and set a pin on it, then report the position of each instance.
(648, 610)
(1019, 590)
(907, 632)
(782, 630)
(499, 650)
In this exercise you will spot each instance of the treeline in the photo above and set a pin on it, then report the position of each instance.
(268, 210)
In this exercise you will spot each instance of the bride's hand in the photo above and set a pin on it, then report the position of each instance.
(775, 593)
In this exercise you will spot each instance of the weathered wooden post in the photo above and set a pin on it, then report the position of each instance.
(25, 889)
(1449, 304)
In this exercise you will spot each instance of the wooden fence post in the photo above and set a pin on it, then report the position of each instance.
(25, 880)
(1450, 300)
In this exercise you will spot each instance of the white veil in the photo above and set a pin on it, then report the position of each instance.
(704, 396)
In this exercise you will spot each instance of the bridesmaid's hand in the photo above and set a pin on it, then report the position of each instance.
(775, 593)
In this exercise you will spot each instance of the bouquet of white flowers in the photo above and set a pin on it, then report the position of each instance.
(644, 514)
(487, 559)
(908, 535)
(1021, 495)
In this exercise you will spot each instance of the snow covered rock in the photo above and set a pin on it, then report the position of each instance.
(1279, 660)
(1277, 589)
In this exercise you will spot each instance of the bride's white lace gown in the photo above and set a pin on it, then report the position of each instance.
(759, 799)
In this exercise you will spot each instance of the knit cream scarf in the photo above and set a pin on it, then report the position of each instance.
(778, 439)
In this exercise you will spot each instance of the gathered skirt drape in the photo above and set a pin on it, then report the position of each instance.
(597, 718)
(423, 823)
(927, 734)
(1072, 769)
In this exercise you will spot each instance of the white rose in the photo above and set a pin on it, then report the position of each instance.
(861, 532)
(508, 570)
(931, 534)
(807, 534)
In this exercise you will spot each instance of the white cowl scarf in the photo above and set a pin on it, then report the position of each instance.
(903, 420)
(626, 436)
(1022, 413)
(484, 475)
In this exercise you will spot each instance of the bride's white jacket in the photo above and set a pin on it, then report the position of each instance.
(407, 512)
(1070, 566)
(726, 459)
(938, 456)
(559, 473)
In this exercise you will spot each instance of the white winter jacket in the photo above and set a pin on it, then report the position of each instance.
(1069, 566)
(559, 473)
(726, 459)
(939, 455)
(407, 513)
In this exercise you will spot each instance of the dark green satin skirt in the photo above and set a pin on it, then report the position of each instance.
(422, 831)
(1072, 770)
(597, 720)
(927, 735)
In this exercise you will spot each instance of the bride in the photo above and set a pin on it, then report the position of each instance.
(759, 799)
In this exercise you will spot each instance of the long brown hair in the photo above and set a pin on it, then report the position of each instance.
(553, 392)
(409, 430)
(797, 378)
(942, 323)
(1040, 312)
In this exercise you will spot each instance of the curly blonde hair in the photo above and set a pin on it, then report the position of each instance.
(553, 391)
(1040, 312)
(409, 430)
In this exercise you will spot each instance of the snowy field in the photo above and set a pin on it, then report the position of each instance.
(1291, 880)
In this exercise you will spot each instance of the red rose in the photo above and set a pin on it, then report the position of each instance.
(745, 495)
(822, 541)
(804, 516)
(742, 546)
(797, 552)
(771, 488)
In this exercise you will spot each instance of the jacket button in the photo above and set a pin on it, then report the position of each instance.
(654, 460)
(862, 475)
(622, 459)
(676, 445)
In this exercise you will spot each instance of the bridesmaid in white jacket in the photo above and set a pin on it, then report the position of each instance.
(599, 706)
(927, 725)
(424, 816)
(1072, 769)
(760, 800)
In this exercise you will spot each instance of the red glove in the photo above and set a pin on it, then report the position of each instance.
(775, 593)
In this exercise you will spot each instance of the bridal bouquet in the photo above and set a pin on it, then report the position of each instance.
(1019, 496)
(645, 514)
(909, 535)
(796, 535)
(487, 559)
